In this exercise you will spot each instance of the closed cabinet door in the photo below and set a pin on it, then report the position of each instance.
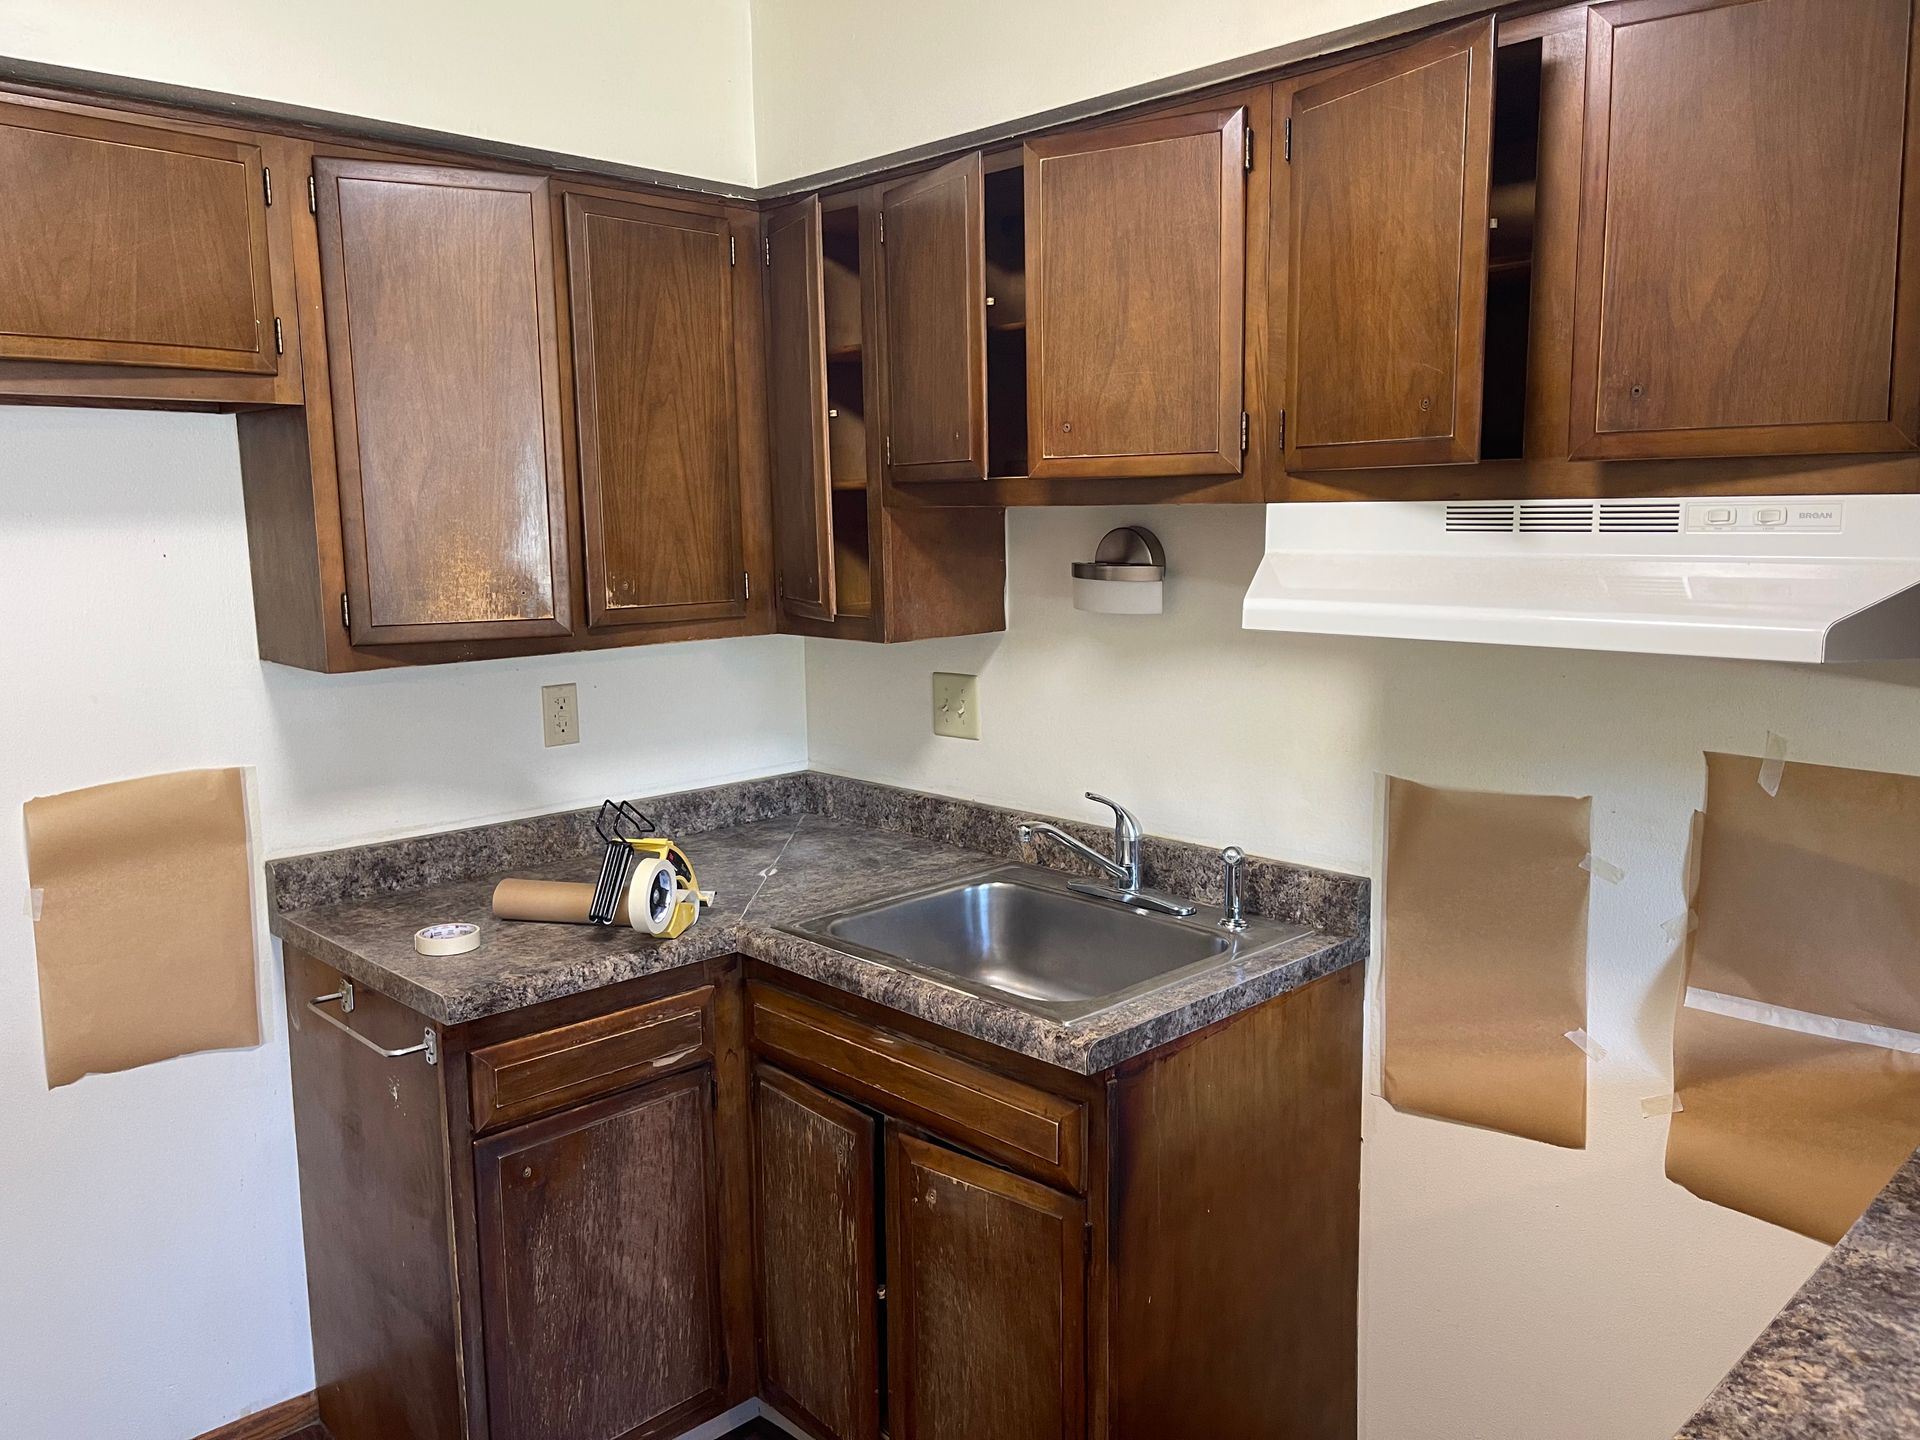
(599, 1267)
(651, 293)
(797, 412)
(986, 1300)
(1386, 243)
(816, 1173)
(131, 244)
(933, 258)
(1749, 263)
(1136, 297)
(438, 287)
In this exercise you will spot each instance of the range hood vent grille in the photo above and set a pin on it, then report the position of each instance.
(1565, 517)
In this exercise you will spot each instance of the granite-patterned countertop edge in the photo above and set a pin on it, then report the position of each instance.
(771, 874)
(1840, 1361)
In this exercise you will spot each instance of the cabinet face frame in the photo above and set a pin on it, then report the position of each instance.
(595, 483)
(491, 1155)
(956, 192)
(1230, 126)
(259, 359)
(328, 173)
(1899, 431)
(1460, 443)
(797, 409)
(863, 1223)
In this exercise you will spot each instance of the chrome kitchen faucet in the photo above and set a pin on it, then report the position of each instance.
(1123, 869)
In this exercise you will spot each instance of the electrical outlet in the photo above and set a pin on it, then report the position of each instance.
(956, 706)
(560, 714)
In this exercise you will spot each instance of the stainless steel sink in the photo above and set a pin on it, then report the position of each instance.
(1018, 934)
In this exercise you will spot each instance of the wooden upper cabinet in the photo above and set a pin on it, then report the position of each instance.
(439, 294)
(986, 1300)
(651, 294)
(132, 245)
(797, 412)
(600, 1267)
(934, 261)
(816, 1169)
(1136, 296)
(1387, 247)
(1749, 265)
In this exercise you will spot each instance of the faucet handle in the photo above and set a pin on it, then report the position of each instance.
(1231, 860)
(1123, 818)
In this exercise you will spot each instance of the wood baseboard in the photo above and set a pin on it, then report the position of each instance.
(276, 1422)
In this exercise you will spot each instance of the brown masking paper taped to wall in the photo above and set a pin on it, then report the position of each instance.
(145, 937)
(1799, 1130)
(1810, 899)
(1485, 950)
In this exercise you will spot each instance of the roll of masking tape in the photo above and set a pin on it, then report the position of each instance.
(651, 895)
(454, 938)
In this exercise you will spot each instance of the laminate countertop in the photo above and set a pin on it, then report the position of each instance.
(1842, 1361)
(830, 843)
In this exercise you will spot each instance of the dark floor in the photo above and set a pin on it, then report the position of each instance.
(757, 1430)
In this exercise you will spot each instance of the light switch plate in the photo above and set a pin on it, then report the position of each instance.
(560, 714)
(956, 706)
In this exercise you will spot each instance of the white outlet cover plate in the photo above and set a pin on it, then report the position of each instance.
(956, 706)
(560, 714)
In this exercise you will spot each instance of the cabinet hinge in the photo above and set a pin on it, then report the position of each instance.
(1247, 148)
(1245, 424)
(313, 195)
(1280, 436)
(279, 337)
(346, 615)
(266, 182)
(883, 227)
(746, 584)
(889, 449)
(732, 259)
(766, 249)
(1289, 141)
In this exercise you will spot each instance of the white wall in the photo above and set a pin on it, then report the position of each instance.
(153, 1285)
(845, 80)
(1510, 1291)
(660, 83)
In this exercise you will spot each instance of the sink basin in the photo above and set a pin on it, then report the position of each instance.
(1019, 934)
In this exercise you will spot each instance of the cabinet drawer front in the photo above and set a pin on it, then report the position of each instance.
(534, 1074)
(1028, 1129)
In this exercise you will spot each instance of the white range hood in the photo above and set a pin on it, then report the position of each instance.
(1795, 577)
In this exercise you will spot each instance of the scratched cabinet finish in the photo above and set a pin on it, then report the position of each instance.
(599, 1266)
(934, 267)
(1749, 261)
(131, 244)
(818, 1257)
(653, 364)
(986, 1300)
(1135, 276)
(439, 295)
(1387, 246)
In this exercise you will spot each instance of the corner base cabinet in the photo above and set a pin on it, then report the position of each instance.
(618, 1215)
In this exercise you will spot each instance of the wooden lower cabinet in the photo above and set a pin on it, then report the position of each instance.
(732, 1182)
(599, 1266)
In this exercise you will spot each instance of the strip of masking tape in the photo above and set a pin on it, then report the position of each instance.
(36, 902)
(1680, 926)
(1738, 1007)
(1588, 1046)
(1775, 763)
(1603, 869)
(1655, 1106)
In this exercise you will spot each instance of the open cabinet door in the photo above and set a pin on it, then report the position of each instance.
(1391, 162)
(1136, 296)
(797, 412)
(933, 240)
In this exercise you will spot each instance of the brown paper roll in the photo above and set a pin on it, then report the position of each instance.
(555, 901)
